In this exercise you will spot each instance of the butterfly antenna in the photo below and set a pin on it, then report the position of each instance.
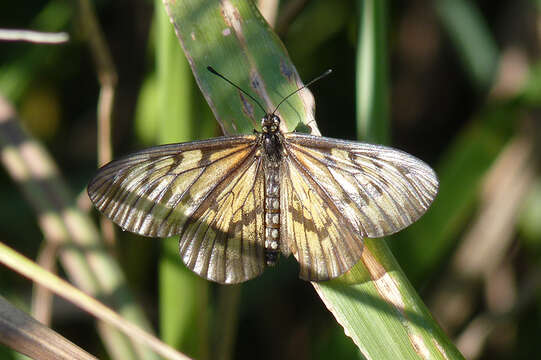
(211, 69)
(302, 87)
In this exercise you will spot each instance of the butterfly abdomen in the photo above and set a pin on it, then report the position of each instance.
(272, 212)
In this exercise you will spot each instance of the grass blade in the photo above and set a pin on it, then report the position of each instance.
(374, 302)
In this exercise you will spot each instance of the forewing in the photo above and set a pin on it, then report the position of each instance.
(350, 189)
(378, 189)
(180, 189)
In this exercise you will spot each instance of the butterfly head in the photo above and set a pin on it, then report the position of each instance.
(270, 124)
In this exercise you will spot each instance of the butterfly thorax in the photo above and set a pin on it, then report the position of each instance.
(272, 148)
(270, 134)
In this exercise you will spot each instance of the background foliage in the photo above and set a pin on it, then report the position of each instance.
(463, 95)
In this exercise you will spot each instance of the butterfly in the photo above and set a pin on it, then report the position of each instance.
(238, 202)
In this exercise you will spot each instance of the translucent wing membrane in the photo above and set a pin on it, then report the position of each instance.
(321, 239)
(337, 192)
(224, 241)
(379, 190)
(333, 193)
(206, 191)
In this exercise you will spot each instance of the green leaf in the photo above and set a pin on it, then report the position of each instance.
(381, 312)
(232, 37)
(85, 260)
(17, 76)
(423, 245)
(473, 41)
(374, 302)
(372, 97)
(183, 301)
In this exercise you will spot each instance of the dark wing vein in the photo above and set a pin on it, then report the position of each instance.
(347, 191)
(324, 244)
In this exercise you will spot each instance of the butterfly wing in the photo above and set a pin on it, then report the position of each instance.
(223, 242)
(347, 191)
(209, 192)
(322, 241)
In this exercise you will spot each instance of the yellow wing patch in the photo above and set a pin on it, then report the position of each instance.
(224, 242)
(322, 241)
(336, 192)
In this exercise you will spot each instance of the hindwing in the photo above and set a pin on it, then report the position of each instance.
(321, 239)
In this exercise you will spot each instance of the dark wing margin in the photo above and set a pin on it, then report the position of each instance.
(372, 190)
(165, 190)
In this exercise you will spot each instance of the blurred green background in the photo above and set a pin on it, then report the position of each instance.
(463, 95)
